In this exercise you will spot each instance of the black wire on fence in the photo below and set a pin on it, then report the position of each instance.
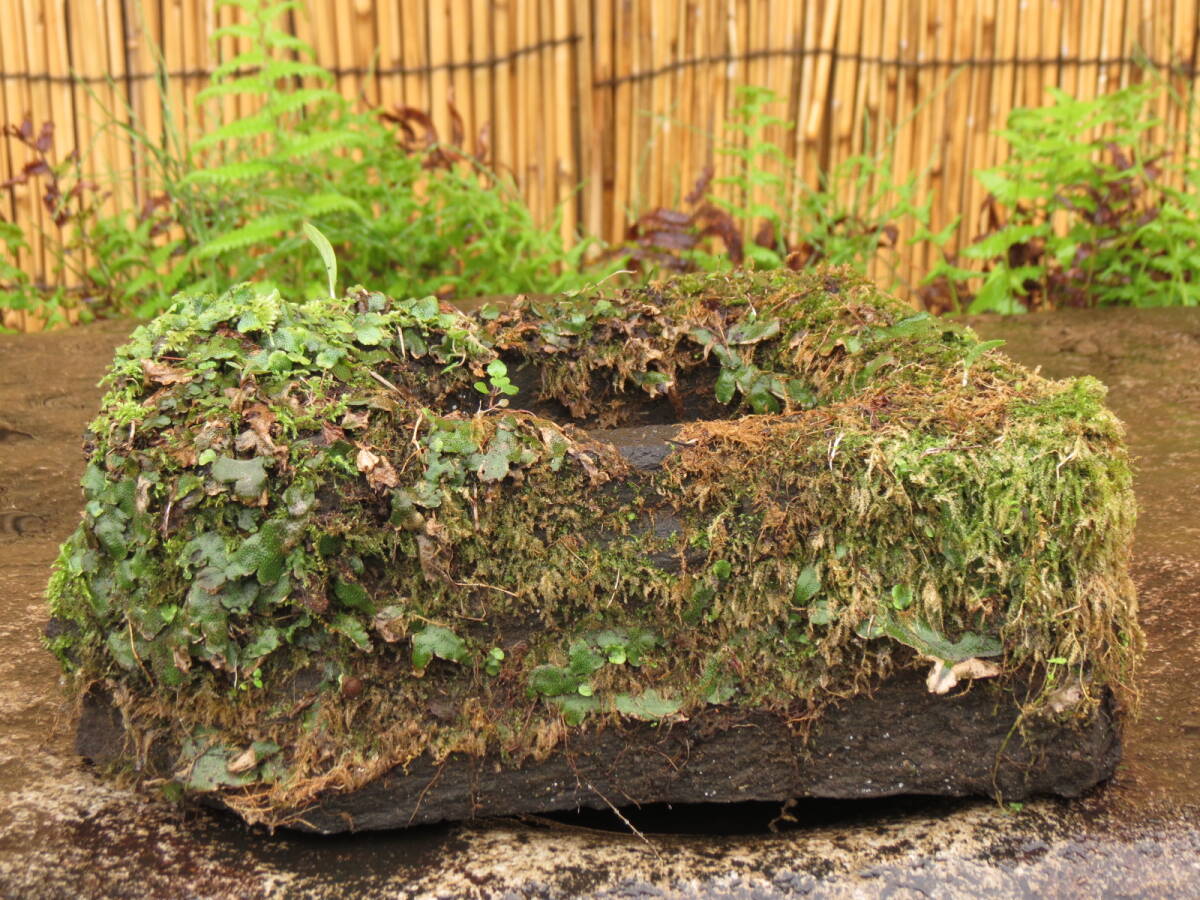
(1188, 70)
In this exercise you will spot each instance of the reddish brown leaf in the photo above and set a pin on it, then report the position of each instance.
(701, 187)
(45, 139)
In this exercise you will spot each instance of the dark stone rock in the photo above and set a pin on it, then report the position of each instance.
(901, 739)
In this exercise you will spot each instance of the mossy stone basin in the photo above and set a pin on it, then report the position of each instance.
(364, 562)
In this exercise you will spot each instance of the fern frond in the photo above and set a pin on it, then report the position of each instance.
(239, 171)
(250, 60)
(292, 68)
(282, 104)
(252, 126)
(321, 142)
(325, 203)
(246, 84)
(249, 32)
(281, 40)
(257, 232)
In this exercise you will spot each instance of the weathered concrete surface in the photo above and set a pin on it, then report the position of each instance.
(64, 833)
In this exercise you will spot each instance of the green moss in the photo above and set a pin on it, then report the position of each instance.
(307, 525)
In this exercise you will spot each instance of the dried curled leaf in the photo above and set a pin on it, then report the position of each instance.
(943, 678)
(161, 373)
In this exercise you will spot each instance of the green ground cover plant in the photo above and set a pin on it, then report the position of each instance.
(306, 525)
(851, 215)
(414, 217)
(1080, 214)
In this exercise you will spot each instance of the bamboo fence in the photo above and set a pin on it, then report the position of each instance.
(601, 109)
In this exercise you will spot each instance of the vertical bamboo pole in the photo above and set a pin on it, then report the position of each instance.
(391, 55)
(1089, 48)
(658, 132)
(416, 54)
(566, 163)
(439, 60)
(722, 44)
(548, 136)
(1002, 85)
(504, 125)
(1158, 37)
(803, 176)
(459, 26)
(940, 33)
(482, 75)
(188, 63)
(682, 159)
(1183, 55)
(1069, 46)
(61, 101)
(1051, 27)
(11, 162)
(90, 63)
(150, 99)
(643, 104)
(622, 112)
(841, 106)
(981, 125)
(124, 195)
(589, 130)
(28, 57)
(171, 20)
(531, 113)
(958, 125)
(340, 15)
(226, 107)
(368, 49)
(603, 223)
(790, 40)
(908, 98)
(869, 125)
(814, 117)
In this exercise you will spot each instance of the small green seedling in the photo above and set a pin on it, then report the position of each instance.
(498, 379)
(327, 256)
(492, 663)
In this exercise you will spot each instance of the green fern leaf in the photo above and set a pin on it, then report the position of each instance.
(293, 100)
(240, 129)
(244, 85)
(323, 204)
(240, 171)
(257, 232)
(321, 142)
(251, 60)
(292, 68)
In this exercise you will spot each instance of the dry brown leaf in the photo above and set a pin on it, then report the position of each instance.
(356, 419)
(261, 419)
(161, 373)
(390, 628)
(244, 763)
(382, 476)
(331, 434)
(942, 677)
(366, 460)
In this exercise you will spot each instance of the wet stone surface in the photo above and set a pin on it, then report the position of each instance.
(65, 833)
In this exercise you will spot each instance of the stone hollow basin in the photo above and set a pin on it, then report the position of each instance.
(739, 538)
